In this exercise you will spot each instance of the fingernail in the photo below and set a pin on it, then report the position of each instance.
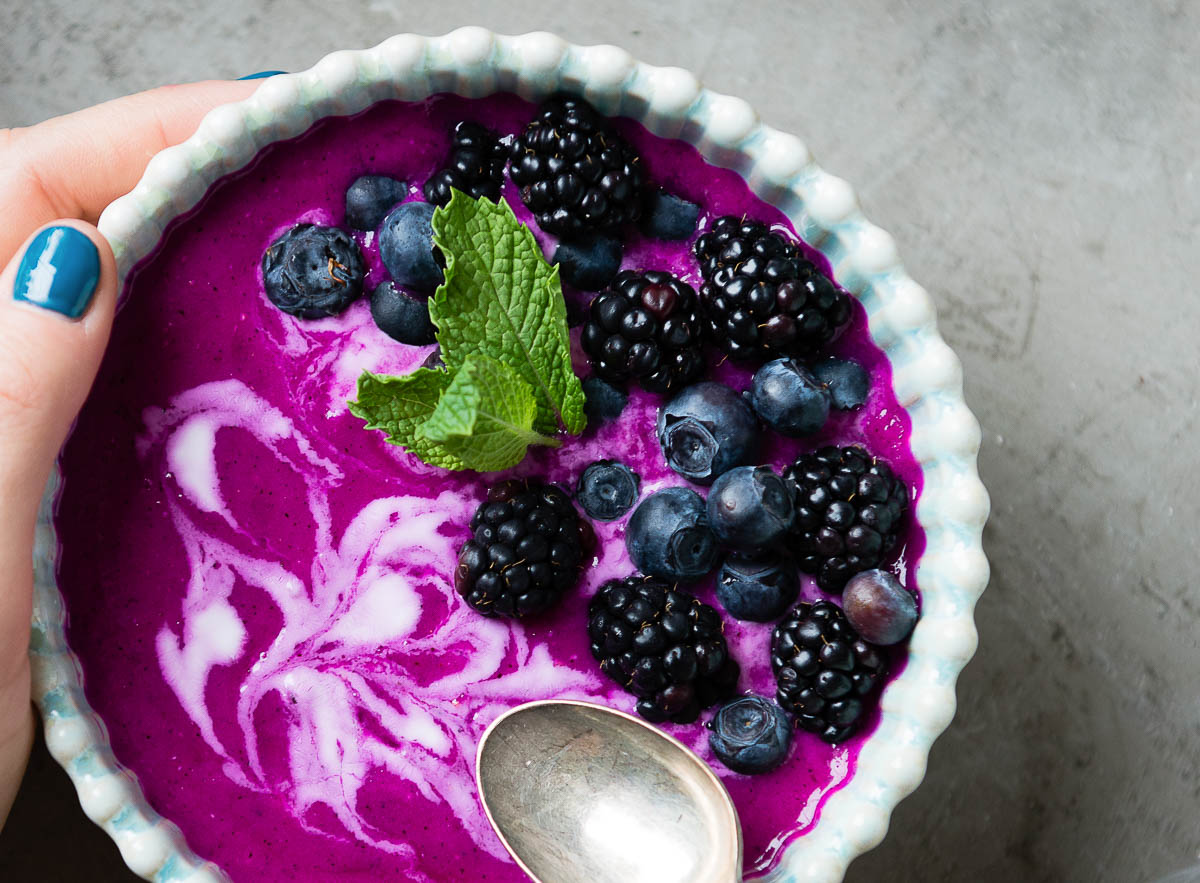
(261, 75)
(59, 271)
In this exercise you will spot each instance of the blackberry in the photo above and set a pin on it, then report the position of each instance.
(663, 646)
(849, 508)
(574, 172)
(825, 673)
(761, 296)
(475, 165)
(645, 327)
(528, 548)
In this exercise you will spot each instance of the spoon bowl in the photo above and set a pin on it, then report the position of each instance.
(579, 792)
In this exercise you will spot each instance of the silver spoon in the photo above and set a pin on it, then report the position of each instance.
(580, 793)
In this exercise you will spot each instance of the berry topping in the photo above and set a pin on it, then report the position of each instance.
(406, 247)
(847, 381)
(527, 549)
(434, 360)
(757, 588)
(789, 399)
(401, 316)
(668, 536)
(370, 198)
(824, 671)
(645, 327)
(705, 431)
(762, 298)
(589, 263)
(849, 509)
(879, 607)
(607, 490)
(475, 165)
(666, 216)
(749, 508)
(574, 172)
(313, 272)
(603, 401)
(750, 734)
(663, 646)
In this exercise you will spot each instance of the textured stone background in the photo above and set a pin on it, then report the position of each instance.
(1037, 163)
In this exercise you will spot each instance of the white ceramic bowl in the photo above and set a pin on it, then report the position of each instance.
(670, 102)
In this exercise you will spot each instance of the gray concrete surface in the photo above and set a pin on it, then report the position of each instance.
(1037, 163)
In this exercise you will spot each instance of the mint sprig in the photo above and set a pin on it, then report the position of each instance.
(502, 327)
(501, 298)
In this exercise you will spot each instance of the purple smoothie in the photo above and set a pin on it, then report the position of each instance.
(260, 591)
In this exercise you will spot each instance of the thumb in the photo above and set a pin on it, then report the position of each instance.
(56, 306)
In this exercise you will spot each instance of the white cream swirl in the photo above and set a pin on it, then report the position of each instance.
(377, 600)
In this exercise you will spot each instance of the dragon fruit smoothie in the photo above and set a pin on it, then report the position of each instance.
(261, 592)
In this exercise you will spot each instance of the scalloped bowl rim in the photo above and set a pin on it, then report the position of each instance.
(670, 102)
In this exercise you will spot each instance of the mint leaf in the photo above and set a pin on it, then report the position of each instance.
(503, 300)
(485, 416)
(400, 405)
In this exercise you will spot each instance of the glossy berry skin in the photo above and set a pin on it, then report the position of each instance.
(758, 588)
(527, 549)
(850, 510)
(826, 674)
(574, 172)
(668, 217)
(749, 508)
(646, 327)
(750, 734)
(401, 316)
(370, 198)
(789, 399)
(607, 490)
(663, 646)
(668, 536)
(706, 430)
(603, 402)
(475, 165)
(312, 272)
(847, 381)
(589, 263)
(879, 607)
(406, 247)
(761, 296)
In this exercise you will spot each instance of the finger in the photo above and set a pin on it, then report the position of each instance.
(56, 306)
(74, 165)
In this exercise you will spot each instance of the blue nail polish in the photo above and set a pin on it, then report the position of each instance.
(59, 271)
(261, 75)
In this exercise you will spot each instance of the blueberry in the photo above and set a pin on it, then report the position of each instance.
(749, 508)
(370, 198)
(406, 246)
(750, 734)
(668, 536)
(847, 381)
(313, 272)
(607, 490)
(602, 401)
(706, 430)
(401, 316)
(589, 264)
(757, 588)
(666, 216)
(434, 360)
(881, 610)
(789, 398)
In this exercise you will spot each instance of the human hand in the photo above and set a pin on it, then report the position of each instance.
(57, 292)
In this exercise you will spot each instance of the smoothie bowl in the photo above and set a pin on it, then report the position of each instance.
(266, 641)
